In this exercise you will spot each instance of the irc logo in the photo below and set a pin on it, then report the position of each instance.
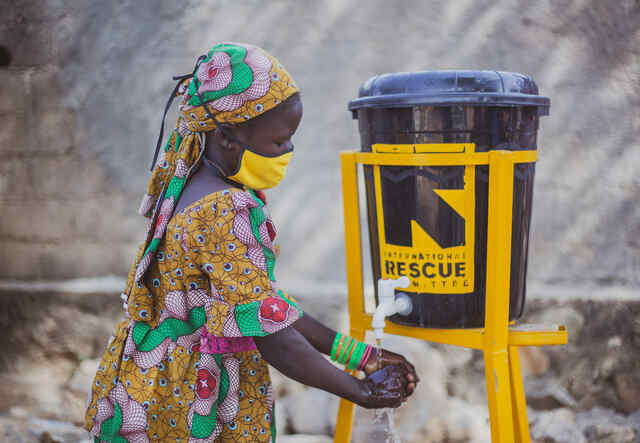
(426, 220)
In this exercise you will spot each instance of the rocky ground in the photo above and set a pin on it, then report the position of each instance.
(586, 391)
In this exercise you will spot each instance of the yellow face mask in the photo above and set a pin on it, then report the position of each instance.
(260, 171)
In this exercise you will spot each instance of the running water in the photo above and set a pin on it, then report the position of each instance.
(379, 350)
(385, 416)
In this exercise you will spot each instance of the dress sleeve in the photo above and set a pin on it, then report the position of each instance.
(230, 239)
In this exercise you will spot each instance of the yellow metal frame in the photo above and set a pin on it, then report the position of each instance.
(499, 341)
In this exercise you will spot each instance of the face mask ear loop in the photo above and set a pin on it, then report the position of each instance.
(209, 114)
(201, 137)
(180, 79)
(224, 131)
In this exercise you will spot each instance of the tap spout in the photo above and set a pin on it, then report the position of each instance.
(389, 303)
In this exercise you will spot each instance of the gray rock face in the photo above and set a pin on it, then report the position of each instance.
(83, 95)
(311, 411)
(601, 425)
(25, 429)
(556, 426)
(547, 393)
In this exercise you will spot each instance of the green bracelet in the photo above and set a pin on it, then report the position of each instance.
(343, 352)
(334, 347)
(356, 356)
(352, 346)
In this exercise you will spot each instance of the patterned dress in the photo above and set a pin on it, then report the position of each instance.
(191, 372)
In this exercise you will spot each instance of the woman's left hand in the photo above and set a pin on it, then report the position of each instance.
(388, 358)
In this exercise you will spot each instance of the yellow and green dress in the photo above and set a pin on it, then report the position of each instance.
(182, 365)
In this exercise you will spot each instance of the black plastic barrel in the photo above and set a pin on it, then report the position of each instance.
(486, 110)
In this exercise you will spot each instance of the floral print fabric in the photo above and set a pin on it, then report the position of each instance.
(190, 372)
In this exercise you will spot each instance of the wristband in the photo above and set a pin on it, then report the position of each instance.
(340, 346)
(352, 353)
(342, 354)
(357, 356)
(365, 358)
(349, 351)
(334, 347)
(362, 356)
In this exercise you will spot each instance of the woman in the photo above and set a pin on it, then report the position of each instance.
(203, 314)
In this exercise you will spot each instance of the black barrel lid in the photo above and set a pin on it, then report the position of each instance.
(445, 88)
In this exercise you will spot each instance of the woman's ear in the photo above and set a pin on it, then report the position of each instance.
(228, 140)
(217, 137)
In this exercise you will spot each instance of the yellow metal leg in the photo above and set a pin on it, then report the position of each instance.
(496, 339)
(520, 421)
(345, 422)
(499, 396)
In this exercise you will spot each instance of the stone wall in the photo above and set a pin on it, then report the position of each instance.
(82, 96)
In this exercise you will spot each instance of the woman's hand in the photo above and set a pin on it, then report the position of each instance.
(386, 388)
(388, 358)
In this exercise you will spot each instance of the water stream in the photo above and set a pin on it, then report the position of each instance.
(385, 416)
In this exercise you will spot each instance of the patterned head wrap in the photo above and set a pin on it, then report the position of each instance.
(231, 83)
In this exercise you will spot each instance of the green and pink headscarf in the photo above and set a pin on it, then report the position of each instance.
(237, 82)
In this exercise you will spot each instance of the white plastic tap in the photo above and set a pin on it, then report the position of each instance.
(389, 304)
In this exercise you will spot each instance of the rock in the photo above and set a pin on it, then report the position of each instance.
(459, 422)
(628, 389)
(605, 426)
(608, 365)
(58, 431)
(15, 430)
(466, 422)
(454, 357)
(283, 386)
(580, 381)
(614, 342)
(533, 360)
(83, 376)
(545, 394)
(571, 318)
(312, 411)
(610, 433)
(37, 430)
(18, 412)
(38, 387)
(468, 382)
(304, 438)
(282, 416)
(556, 426)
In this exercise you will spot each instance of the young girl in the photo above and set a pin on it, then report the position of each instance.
(203, 314)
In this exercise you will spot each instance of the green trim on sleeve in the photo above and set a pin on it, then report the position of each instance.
(247, 319)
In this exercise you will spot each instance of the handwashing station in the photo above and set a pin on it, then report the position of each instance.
(448, 159)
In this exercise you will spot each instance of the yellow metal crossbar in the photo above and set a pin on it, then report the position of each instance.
(497, 339)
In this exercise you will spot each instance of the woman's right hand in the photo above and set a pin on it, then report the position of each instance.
(386, 388)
